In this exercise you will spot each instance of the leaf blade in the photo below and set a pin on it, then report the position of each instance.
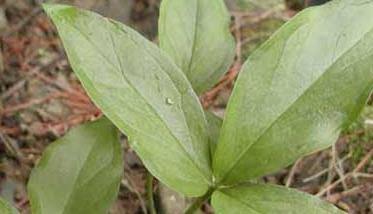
(79, 173)
(264, 198)
(6, 208)
(143, 93)
(195, 33)
(307, 84)
(214, 125)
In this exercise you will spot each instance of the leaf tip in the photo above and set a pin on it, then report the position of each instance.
(50, 9)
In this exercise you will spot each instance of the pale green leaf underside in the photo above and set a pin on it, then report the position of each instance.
(298, 90)
(268, 199)
(195, 33)
(143, 93)
(6, 208)
(80, 173)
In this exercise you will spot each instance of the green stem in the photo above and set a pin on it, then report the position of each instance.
(149, 193)
(198, 202)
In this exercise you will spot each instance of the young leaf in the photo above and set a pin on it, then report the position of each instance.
(214, 125)
(6, 208)
(298, 91)
(79, 173)
(195, 33)
(143, 93)
(264, 198)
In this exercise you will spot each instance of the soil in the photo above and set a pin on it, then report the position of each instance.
(41, 99)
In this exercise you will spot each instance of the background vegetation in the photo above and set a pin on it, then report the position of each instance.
(40, 99)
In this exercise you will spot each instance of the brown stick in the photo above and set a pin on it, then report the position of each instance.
(358, 168)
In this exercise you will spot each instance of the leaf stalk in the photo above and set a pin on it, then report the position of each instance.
(198, 202)
(149, 193)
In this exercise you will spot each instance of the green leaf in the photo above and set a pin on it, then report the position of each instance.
(79, 173)
(297, 92)
(6, 208)
(195, 33)
(265, 199)
(143, 93)
(214, 125)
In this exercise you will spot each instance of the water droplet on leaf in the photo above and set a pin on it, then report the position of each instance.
(169, 101)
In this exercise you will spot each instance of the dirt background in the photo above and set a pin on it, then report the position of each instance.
(40, 99)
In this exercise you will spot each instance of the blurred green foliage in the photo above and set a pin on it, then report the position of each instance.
(360, 134)
(255, 35)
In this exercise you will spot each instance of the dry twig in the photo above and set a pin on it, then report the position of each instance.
(354, 173)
